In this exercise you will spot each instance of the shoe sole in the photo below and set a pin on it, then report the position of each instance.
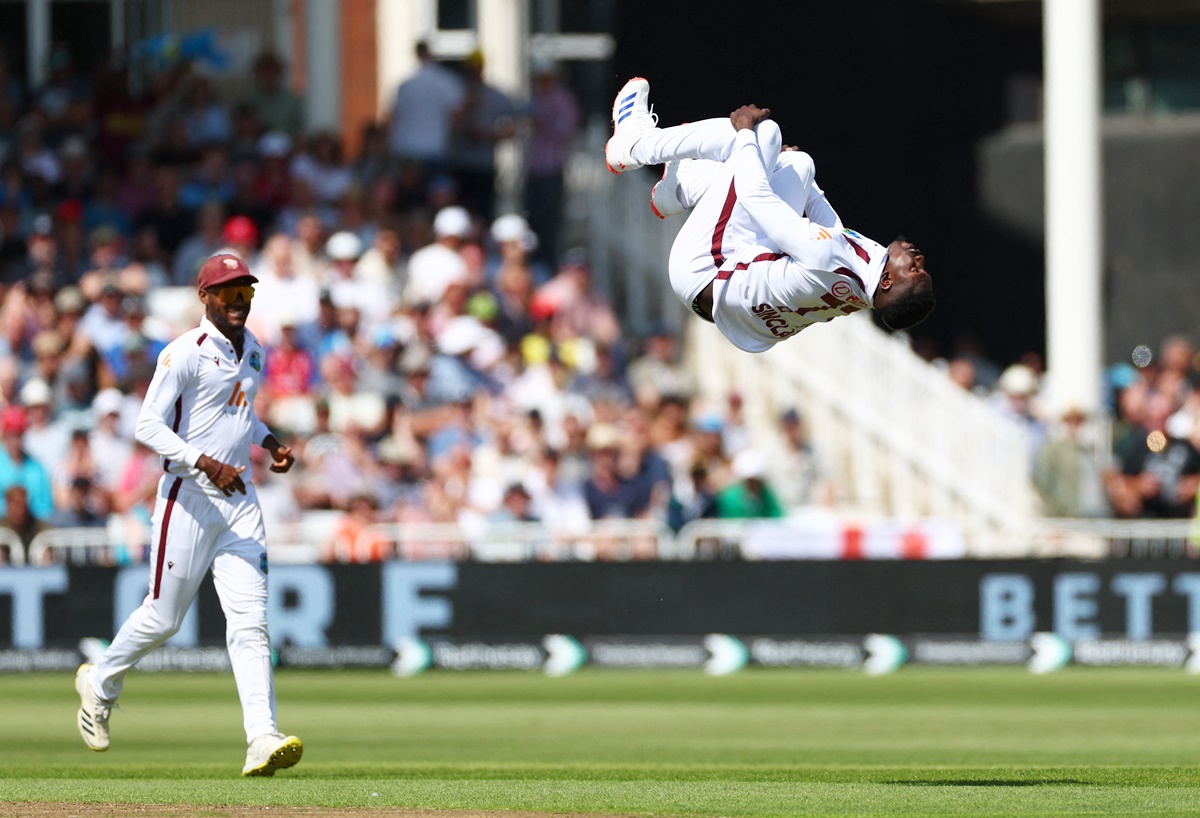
(82, 717)
(611, 169)
(288, 755)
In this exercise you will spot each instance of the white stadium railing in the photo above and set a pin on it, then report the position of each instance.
(814, 534)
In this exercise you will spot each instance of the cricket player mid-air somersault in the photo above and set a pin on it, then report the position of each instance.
(762, 254)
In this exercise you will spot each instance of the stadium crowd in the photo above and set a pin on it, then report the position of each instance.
(428, 360)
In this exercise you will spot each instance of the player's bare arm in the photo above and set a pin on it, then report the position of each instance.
(282, 455)
(224, 476)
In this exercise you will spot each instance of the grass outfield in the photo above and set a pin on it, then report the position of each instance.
(919, 742)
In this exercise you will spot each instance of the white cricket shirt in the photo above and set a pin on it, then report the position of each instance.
(201, 401)
(799, 275)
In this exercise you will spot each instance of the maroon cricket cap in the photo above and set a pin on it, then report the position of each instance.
(223, 268)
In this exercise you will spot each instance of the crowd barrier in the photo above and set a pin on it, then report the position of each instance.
(813, 535)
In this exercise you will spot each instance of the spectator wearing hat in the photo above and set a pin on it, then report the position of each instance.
(421, 114)
(43, 253)
(1016, 398)
(271, 170)
(485, 118)
(370, 298)
(749, 496)
(276, 107)
(554, 120)
(45, 439)
(17, 466)
(433, 267)
(1065, 472)
(76, 177)
(241, 238)
(383, 262)
(109, 445)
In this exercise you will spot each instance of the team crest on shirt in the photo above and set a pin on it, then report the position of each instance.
(256, 361)
(262, 562)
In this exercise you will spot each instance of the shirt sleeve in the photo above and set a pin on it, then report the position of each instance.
(259, 431)
(818, 210)
(176, 367)
(775, 218)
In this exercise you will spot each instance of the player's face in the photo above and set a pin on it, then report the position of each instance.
(228, 304)
(906, 266)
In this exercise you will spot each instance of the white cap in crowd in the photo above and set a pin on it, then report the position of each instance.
(451, 221)
(344, 246)
(512, 227)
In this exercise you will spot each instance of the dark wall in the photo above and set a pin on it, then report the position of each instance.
(890, 97)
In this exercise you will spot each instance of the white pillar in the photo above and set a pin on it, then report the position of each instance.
(37, 35)
(503, 27)
(116, 24)
(398, 28)
(323, 58)
(1074, 202)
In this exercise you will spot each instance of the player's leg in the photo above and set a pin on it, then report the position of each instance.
(240, 577)
(179, 556)
(637, 141)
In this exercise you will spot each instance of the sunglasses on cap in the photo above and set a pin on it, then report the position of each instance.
(229, 294)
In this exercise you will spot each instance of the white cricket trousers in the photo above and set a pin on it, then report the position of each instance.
(718, 225)
(192, 532)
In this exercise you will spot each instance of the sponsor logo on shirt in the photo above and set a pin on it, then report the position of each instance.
(775, 323)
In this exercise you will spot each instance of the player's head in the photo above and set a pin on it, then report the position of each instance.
(905, 294)
(226, 289)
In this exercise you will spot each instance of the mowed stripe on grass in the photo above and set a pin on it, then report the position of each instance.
(922, 741)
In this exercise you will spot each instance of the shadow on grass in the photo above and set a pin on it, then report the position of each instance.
(988, 782)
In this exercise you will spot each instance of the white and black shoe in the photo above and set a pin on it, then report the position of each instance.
(631, 117)
(94, 711)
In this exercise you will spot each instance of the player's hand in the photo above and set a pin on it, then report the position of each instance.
(787, 148)
(225, 477)
(748, 116)
(283, 459)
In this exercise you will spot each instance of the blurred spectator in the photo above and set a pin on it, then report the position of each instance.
(383, 263)
(103, 325)
(102, 208)
(77, 510)
(554, 119)
(1157, 479)
(346, 289)
(283, 295)
(196, 248)
(45, 439)
(110, 448)
(657, 371)
(798, 473)
(167, 216)
(274, 105)
(208, 120)
(210, 179)
(18, 468)
(485, 117)
(288, 383)
(1016, 398)
(432, 268)
(515, 507)
(38, 162)
(749, 496)
(65, 101)
(19, 518)
(351, 541)
(1065, 472)
(322, 169)
(419, 129)
(12, 98)
(579, 309)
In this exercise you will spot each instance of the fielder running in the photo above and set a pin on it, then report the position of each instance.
(762, 255)
(199, 417)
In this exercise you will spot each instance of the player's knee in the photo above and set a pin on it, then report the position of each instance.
(800, 163)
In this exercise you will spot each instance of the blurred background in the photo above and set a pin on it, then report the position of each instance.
(477, 358)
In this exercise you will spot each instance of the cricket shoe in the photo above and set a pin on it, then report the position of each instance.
(93, 710)
(664, 198)
(632, 117)
(270, 752)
